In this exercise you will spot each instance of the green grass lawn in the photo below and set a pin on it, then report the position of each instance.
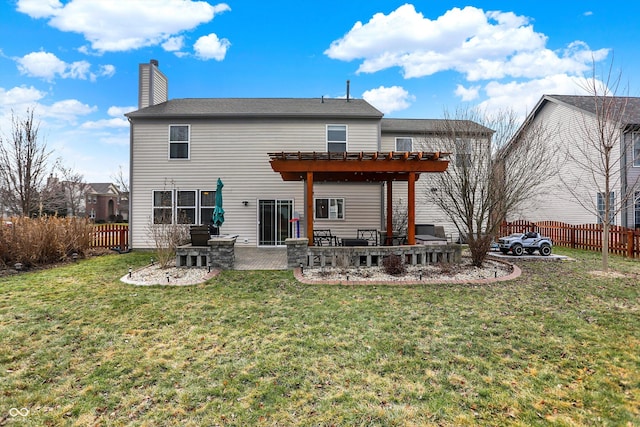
(556, 346)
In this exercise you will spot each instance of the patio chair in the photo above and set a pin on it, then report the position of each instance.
(322, 237)
(368, 234)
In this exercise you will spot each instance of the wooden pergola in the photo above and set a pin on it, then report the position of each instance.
(360, 167)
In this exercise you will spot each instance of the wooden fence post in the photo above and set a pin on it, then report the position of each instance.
(122, 242)
(630, 241)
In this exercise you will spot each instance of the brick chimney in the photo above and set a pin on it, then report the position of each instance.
(153, 86)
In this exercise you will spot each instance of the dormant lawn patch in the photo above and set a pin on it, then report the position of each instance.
(556, 345)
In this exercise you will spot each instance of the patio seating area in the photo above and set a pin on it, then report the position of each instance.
(425, 234)
(355, 253)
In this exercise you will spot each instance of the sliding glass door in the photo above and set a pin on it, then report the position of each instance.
(274, 221)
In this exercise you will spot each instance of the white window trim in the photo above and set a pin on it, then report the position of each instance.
(188, 142)
(634, 135)
(403, 137)
(636, 212)
(174, 206)
(200, 206)
(344, 209)
(194, 206)
(170, 208)
(346, 135)
(612, 203)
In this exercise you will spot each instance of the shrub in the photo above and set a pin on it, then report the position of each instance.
(394, 265)
(44, 240)
(166, 238)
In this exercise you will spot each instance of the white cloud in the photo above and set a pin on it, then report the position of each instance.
(111, 26)
(173, 44)
(47, 66)
(67, 110)
(522, 96)
(210, 47)
(41, 64)
(481, 45)
(389, 99)
(467, 93)
(106, 123)
(39, 8)
(19, 96)
(107, 70)
(120, 111)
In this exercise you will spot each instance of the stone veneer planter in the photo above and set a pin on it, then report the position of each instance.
(219, 253)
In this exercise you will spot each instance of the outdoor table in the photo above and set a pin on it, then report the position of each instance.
(394, 240)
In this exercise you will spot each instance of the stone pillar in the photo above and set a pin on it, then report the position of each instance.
(297, 252)
(222, 252)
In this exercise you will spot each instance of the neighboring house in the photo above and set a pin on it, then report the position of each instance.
(574, 195)
(434, 135)
(180, 147)
(104, 202)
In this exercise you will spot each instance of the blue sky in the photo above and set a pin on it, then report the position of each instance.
(75, 62)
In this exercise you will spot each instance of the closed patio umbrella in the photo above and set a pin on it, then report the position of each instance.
(218, 212)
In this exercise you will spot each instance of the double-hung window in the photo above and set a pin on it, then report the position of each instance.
(602, 208)
(163, 207)
(179, 141)
(463, 152)
(636, 148)
(207, 202)
(183, 206)
(404, 144)
(329, 208)
(186, 207)
(337, 138)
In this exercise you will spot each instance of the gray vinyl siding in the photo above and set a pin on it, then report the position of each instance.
(633, 180)
(160, 87)
(236, 151)
(426, 211)
(556, 203)
(152, 86)
(144, 85)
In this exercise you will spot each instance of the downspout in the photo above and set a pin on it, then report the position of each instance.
(130, 182)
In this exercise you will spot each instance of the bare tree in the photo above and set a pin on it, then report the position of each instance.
(601, 145)
(73, 189)
(479, 187)
(23, 164)
(121, 180)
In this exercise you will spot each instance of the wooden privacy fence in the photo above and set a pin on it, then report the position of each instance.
(622, 240)
(112, 236)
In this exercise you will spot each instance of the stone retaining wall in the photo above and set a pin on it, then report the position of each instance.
(299, 254)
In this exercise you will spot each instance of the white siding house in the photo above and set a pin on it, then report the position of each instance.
(573, 196)
(180, 147)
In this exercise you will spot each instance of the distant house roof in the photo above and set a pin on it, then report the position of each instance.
(426, 126)
(259, 107)
(631, 105)
(102, 188)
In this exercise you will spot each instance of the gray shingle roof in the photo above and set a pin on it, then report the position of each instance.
(259, 107)
(100, 187)
(631, 105)
(429, 126)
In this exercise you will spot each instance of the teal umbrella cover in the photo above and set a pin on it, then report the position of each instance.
(218, 212)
